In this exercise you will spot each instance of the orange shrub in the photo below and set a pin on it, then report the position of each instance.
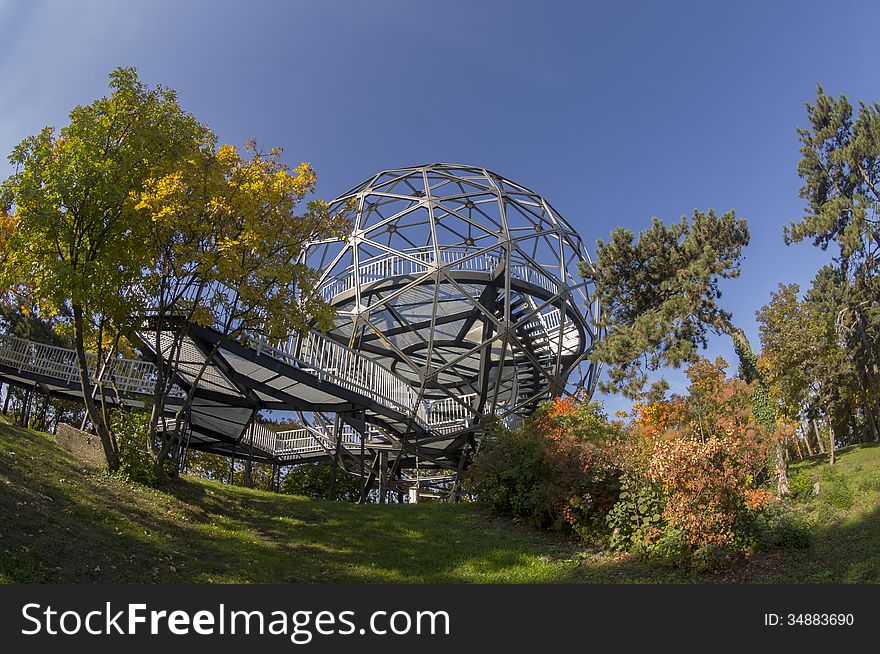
(711, 467)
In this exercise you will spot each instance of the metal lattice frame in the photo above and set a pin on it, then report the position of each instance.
(465, 284)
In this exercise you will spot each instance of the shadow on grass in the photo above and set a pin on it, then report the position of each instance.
(65, 522)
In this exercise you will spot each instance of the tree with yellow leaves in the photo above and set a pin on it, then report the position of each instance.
(76, 240)
(132, 208)
(227, 243)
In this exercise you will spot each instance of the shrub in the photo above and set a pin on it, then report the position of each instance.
(555, 472)
(673, 549)
(687, 482)
(131, 429)
(637, 516)
(801, 486)
(781, 526)
(510, 476)
(835, 491)
(710, 557)
(709, 468)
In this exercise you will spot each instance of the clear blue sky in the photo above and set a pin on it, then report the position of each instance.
(615, 111)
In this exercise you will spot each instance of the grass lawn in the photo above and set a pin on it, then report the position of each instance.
(845, 521)
(66, 522)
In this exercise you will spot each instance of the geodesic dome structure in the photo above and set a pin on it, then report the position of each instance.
(466, 285)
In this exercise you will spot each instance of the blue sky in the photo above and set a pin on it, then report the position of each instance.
(615, 111)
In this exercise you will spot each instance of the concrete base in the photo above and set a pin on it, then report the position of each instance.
(84, 446)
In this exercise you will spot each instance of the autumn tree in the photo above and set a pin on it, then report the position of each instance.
(77, 239)
(227, 238)
(805, 364)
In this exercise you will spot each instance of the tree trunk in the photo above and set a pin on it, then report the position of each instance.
(782, 486)
(831, 440)
(25, 415)
(872, 374)
(818, 437)
(86, 385)
(797, 445)
(247, 478)
(874, 405)
(806, 434)
(868, 409)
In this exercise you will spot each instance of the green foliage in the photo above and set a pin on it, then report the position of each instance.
(710, 557)
(554, 472)
(672, 549)
(637, 516)
(206, 465)
(78, 244)
(132, 431)
(132, 204)
(77, 240)
(802, 489)
(659, 293)
(835, 490)
(763, 409)
(313, 480)
(782, 527)
(840, 167)
(510, 476)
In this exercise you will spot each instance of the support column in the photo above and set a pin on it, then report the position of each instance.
(337, 453)
(383, 476)
(453, 494)
(363, 475)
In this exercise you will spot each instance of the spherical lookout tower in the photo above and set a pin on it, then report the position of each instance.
(463, 283)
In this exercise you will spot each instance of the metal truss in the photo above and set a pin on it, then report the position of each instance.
(463, 283)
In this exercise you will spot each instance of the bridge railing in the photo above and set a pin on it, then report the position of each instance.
(128, 376)
(349, 369)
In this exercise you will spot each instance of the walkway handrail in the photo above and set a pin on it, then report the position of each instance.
(127, 375)
(416, 262)
(328, 359)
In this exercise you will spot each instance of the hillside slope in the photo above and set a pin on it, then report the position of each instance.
(66, 522)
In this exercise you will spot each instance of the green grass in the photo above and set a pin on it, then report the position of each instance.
(844, 519)
(66, 522)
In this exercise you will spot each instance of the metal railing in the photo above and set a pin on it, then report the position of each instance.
(127, 376)
(547, 326)
(317, 438)
(449, 410)
(418, 262)
(327, 358)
